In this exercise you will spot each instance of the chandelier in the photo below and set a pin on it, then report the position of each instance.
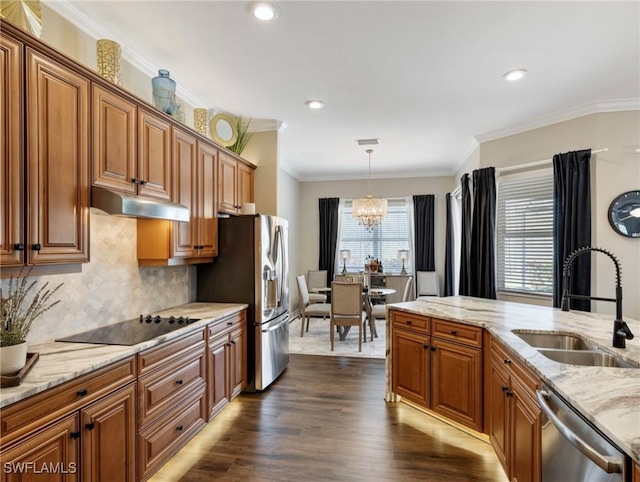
(369, 211)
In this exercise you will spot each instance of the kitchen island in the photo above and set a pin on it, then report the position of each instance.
(608, 397)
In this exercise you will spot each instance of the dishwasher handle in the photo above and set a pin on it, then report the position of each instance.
(609, 464)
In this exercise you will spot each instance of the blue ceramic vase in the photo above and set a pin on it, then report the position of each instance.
(164, 91)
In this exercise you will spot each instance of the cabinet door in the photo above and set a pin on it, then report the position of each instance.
(55, 448)
(58, 154)
(208, 222)
(237, 361)
(154, 156)
(114, 141)
(227, 184)
(526, 426)
(496, 398)
(245, 184)
(184, 192)
(411, 366)
(456, 375)
(11, 154)
(218, 382)
(109, 437)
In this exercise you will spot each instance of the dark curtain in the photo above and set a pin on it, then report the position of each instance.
(328, 234)
(572, 224)
(465, 241)
(482, 258)
(424, 226)
(448, 252)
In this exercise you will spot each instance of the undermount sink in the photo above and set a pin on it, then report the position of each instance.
(587, 358)
(572, 350)
(556, 340)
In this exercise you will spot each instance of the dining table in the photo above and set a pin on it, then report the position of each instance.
(368, 294)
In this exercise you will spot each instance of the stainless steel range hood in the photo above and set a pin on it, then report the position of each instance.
(123, 204)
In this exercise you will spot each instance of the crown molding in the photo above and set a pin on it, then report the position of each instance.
(614, 105)
(471, 148)
(359, 177)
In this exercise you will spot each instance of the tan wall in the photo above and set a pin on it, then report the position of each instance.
(262, 150)
(613, 172)
(289, 209)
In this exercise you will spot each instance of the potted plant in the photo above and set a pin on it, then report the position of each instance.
(18, 309)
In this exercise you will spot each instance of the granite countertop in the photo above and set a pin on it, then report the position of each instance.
(608, 397)
(62, 361)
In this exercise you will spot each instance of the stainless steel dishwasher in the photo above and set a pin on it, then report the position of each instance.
(573, 450)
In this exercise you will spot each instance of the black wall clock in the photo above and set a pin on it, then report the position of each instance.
(624, 214)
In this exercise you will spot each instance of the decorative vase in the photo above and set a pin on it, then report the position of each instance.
(25, 14)
(13, 358)
(200, 120)
(109, 60)
(178, 113)
(164, 91)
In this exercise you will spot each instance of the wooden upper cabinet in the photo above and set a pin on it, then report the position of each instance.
(154, 156)
(12, 236)
(57, 131)
(186, 234)
(114, 141)
(235, 184)
(206, 189)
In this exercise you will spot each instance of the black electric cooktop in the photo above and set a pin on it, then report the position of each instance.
(131, 332)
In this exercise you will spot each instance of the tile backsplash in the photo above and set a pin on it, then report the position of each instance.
(111, 288)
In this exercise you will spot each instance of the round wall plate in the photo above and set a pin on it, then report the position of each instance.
(224, 130)
(624, 214)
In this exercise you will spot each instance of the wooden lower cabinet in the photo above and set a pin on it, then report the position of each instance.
(438, 365)
(514, 417)
(109, 437)
(54, 449)
(227, 368)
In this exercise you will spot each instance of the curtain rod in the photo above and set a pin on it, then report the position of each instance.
(457, 190)
(527, 165)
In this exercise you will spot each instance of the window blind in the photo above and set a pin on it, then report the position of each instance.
(525, 234)
(383, 243)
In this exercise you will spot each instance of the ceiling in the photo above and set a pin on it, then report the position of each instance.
(424, 77)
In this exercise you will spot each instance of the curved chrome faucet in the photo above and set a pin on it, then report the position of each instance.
(621, 331)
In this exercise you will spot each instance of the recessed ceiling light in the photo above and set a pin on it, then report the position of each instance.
(264, 11)
(314, 104)
(516, 74)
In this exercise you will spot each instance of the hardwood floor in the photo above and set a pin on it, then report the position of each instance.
(326, 419)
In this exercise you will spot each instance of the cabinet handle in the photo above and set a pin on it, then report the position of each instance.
(82, 393)
(228, 344)
(509, 393)
(179, 382)
(507, 361)
(229, 323)
(18, 247)
(134, 180)
(36, 247)
(454, 332)
(233, 342)
(425, 346)
(89, 426)
(409, 322)
(143, 182)
(504, 389)
(179, 428)
(433, 348)
(74, 435)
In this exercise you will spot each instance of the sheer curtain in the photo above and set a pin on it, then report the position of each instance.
(572, 224)
(452, 260)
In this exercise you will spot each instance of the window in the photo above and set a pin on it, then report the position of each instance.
(525, 234)
(382, 243)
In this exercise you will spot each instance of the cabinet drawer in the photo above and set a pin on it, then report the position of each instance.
(23, 416)
(167, 353)
(228, 323)
(408, 320)
(163, 438)
(500, 355)
(160, 389)
(448, 330)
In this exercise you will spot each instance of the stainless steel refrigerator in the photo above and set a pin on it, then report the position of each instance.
(253, 267)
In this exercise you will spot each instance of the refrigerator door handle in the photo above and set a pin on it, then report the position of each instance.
(281, 260)
(275, 327)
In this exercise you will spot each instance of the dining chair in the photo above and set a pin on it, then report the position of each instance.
(427, 283)
(403, 286)
(346, 309)
(317, 279)
(309, 310)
